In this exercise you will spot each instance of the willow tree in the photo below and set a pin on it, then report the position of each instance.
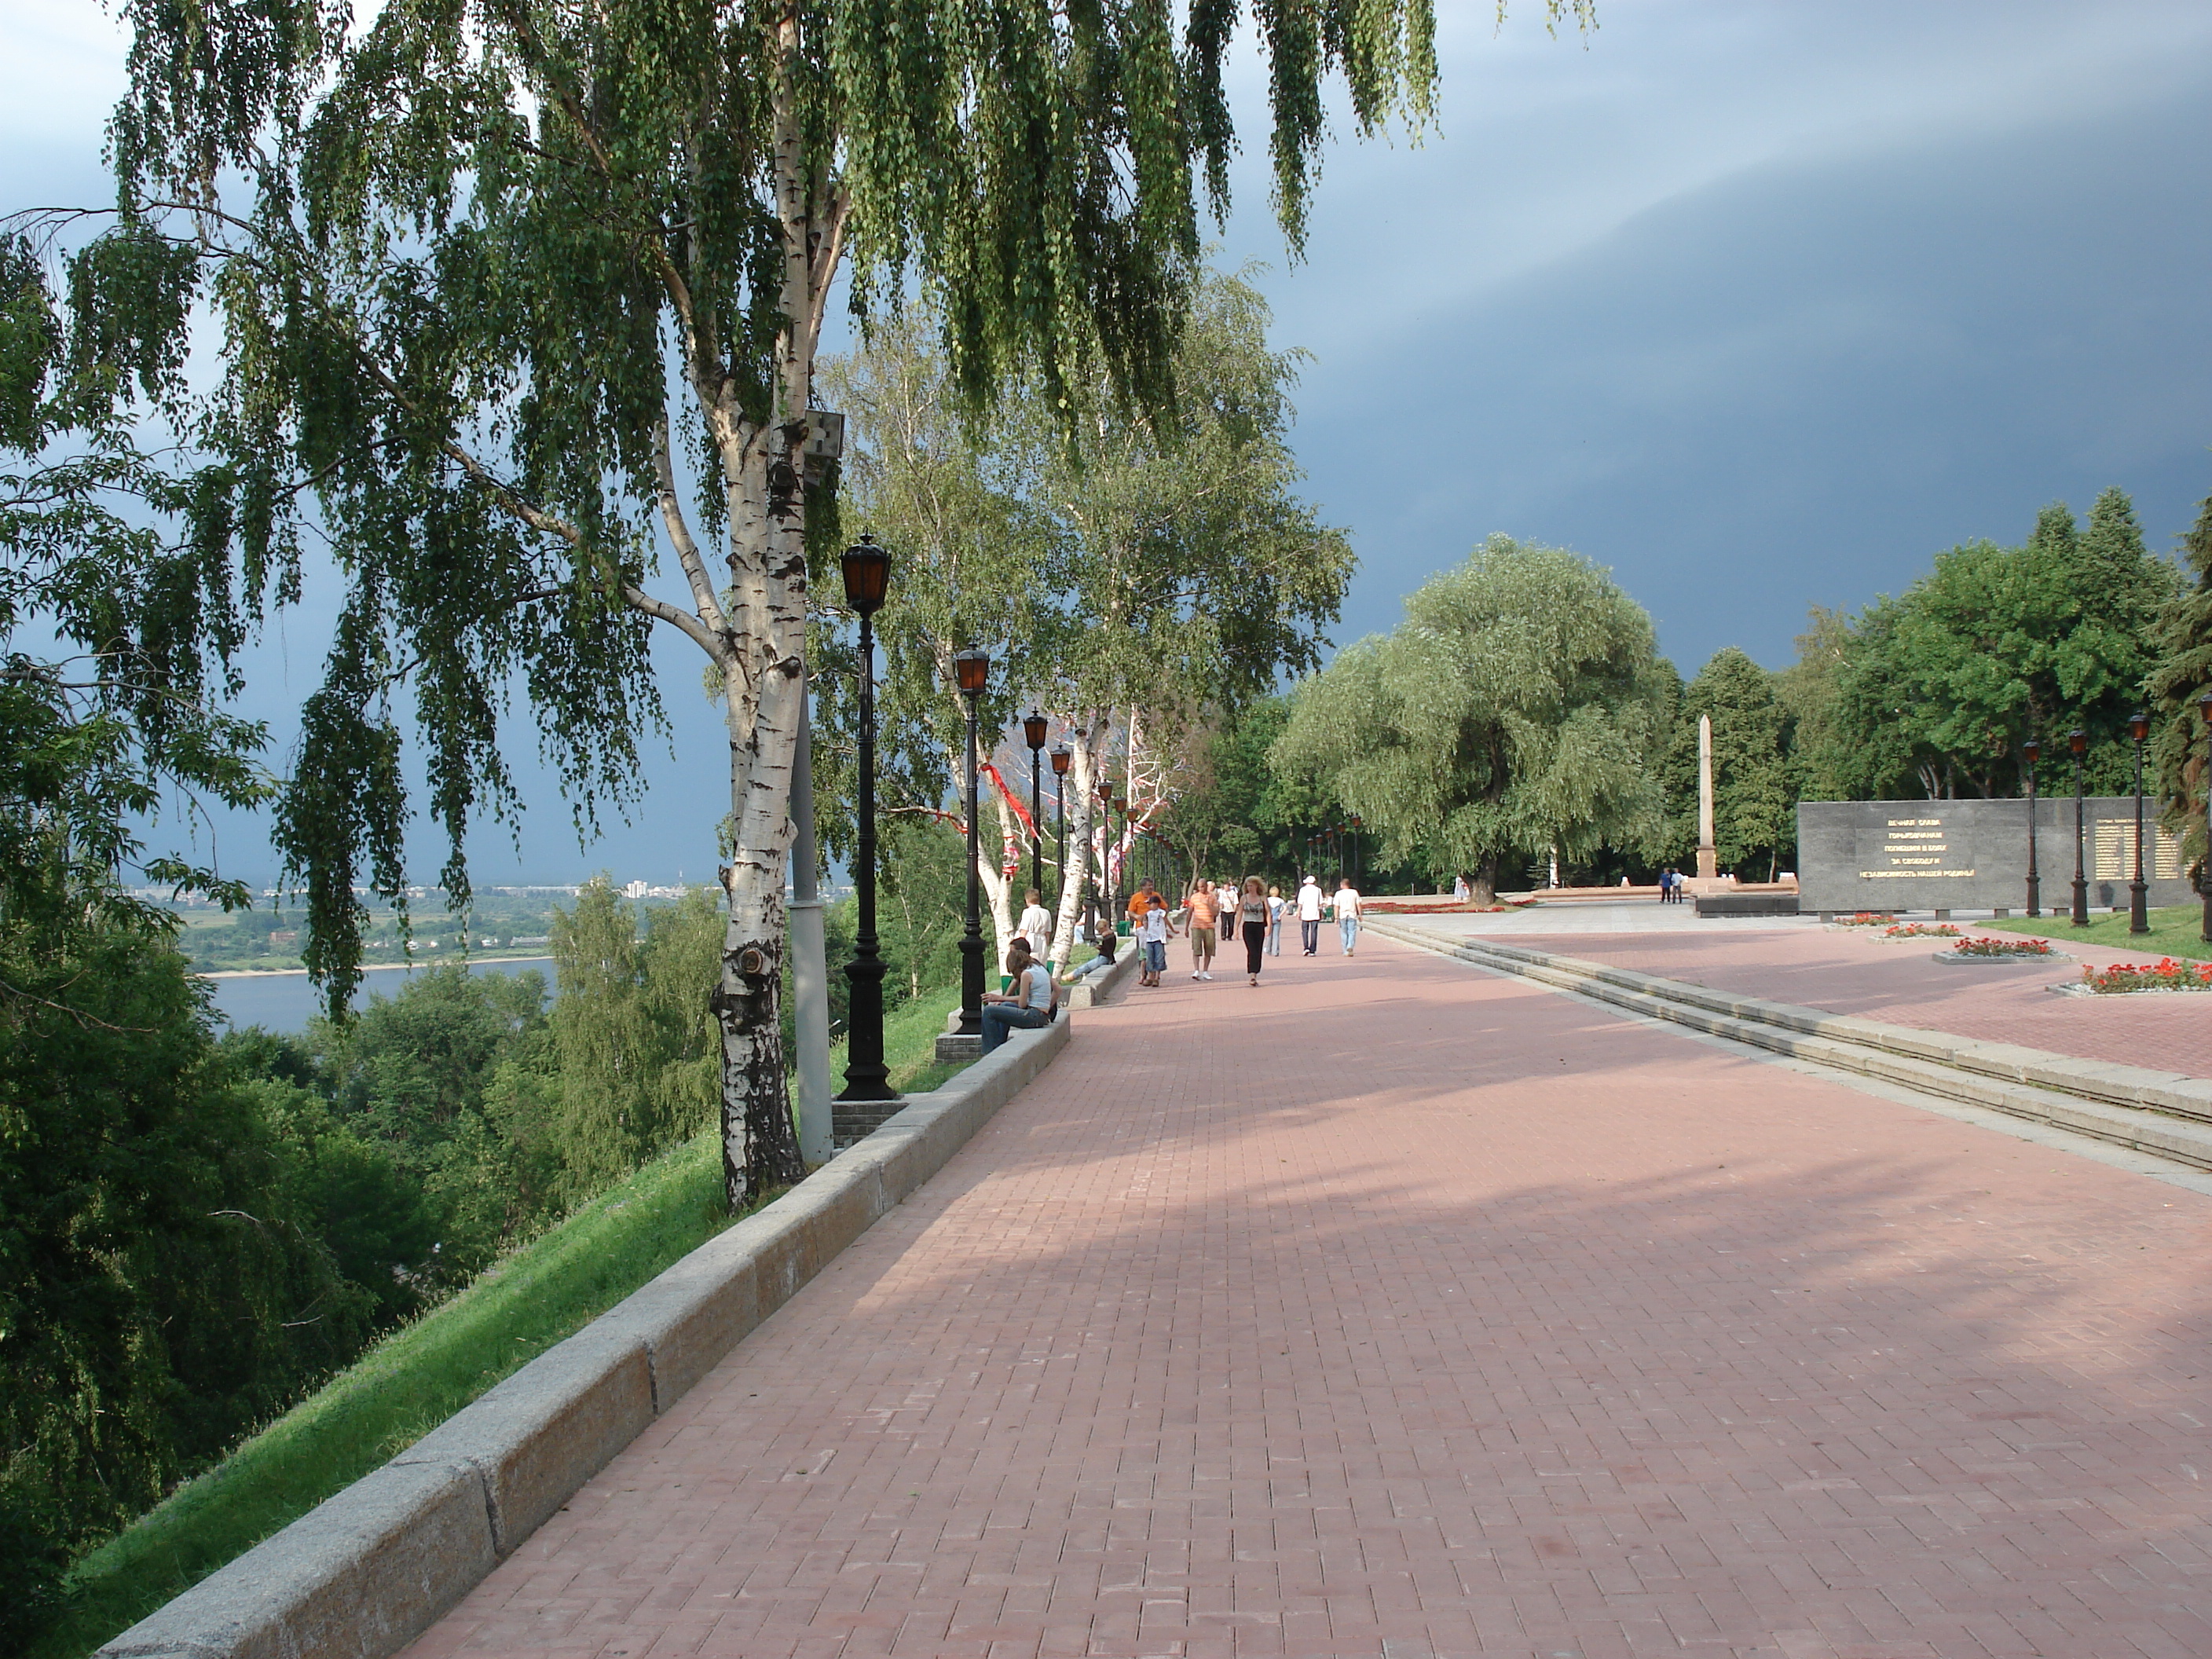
(512, 293)
(1520, 706)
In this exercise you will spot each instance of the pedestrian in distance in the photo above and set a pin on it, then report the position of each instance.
(1309, 914)
(1346, 904)
(1275, 908)
(1153, 933)
(1205, 918)
(1252, 925)
(1036, 926)
(1028, 1003)
(1461, 891)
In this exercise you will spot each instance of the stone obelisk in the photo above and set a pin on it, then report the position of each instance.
(1708, 862)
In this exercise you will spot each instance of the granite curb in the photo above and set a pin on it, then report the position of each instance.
(369, 1569)
(1099, 990)
(2154, 1111)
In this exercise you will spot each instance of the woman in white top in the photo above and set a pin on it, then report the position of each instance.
(1028, 1004)
(1036, 926)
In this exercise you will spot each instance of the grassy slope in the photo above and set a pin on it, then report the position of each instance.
(2176, 930)
(422, 1373)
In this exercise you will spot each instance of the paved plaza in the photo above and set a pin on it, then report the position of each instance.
(1398, 1308)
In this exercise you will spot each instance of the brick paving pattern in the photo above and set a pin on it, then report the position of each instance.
(1398, 1309)
(1898, 982)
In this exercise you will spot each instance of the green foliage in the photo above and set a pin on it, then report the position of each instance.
(636, 1048)
(161, 1284)
(1754, 781)
(1935, 689)
(399, 1391)
(1234, 811)
(2183, 673)
(1165, 564)
(1512, 710)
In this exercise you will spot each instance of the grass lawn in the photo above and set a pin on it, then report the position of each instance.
(2176, 930)
(422, 1373)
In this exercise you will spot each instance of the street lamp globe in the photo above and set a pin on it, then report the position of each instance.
(1062, 758)
(971, 669)
(1034, 725)
(868, 571)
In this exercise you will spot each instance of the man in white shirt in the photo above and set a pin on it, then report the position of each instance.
(1309, 914)
(1036, 926)
(1347, 914)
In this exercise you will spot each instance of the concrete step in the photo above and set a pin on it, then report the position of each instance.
(2160, 1112)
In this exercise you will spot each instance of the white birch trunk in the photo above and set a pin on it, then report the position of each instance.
(1080, 786)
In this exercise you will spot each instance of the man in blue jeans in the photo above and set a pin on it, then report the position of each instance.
(1027, 1006)
(1347, 914)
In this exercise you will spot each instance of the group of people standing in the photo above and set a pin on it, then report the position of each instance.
(1216, 915)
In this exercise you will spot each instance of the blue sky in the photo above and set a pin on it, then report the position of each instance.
(1761, 305)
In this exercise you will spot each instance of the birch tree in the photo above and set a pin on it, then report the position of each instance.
(512, 294)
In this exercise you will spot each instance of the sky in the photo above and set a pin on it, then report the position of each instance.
(1759, 305)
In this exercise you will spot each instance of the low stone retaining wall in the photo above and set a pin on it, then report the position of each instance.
(371, 1567)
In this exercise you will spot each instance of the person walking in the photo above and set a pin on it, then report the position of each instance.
(1252, 926)
(1309, 914)
(1205, 919)
(1153, 933)
(1029, 1003)
(1347, 914)
(1275, 908)
(1141, 901)
(1036, 926)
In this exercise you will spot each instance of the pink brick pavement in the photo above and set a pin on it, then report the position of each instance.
(1398, 1309)
(1899, 981)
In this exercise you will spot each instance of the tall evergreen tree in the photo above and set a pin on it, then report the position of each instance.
(2183, 674)
(508, 288)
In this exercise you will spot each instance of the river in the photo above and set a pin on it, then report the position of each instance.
(285, 1002)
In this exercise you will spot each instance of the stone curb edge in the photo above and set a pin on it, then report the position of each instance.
(2159, 1112)
(370, 1568)
(1102, 989)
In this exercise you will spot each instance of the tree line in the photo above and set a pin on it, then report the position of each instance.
(1521, 718)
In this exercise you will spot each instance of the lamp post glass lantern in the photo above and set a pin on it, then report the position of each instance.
(971, 671)
(2078, 740)
(2139, 890)
(1062, 759)
(2030, 751)
(866, 571)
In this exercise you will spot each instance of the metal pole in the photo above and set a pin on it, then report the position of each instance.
(1036, 826)
(2031, 750)
(866, 1076)
(2139, 890)
(2078, 742)
(971, 939)
(810, 969)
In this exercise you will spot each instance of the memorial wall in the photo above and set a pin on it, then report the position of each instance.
(1972, 854)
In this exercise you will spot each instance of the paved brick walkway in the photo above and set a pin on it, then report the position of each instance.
(1899, 981)
(1398, 1309)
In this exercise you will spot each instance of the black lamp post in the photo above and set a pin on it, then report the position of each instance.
(1100, 885)
(2029, 751)
(1033, 730)
(2204, 870)
(1354, 822)
(2078, 740)
(971, 670)
(2139, 890)
(1062, 759)
(867, 577)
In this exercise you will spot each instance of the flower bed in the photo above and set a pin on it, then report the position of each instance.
(1921, 930)
(1985, 946)
(2166, 975)
(1866, 918)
